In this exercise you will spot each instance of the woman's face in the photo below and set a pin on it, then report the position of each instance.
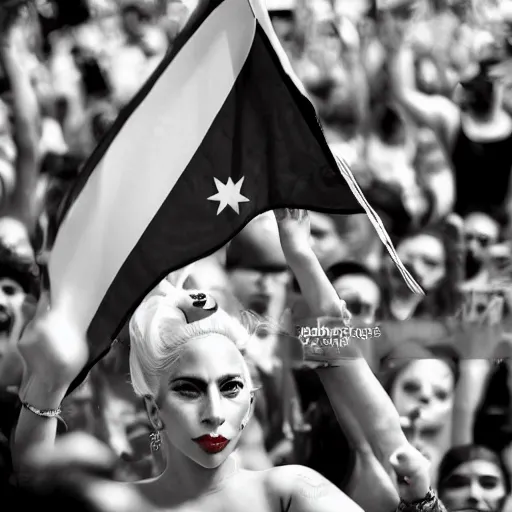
(327, 243)
(425, 256)
(205, 399)
(428, 384)
(477, 485)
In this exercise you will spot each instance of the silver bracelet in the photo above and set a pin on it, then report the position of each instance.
(44, 413)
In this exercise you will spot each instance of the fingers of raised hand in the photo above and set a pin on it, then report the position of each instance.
(409, 463)
(290, 213)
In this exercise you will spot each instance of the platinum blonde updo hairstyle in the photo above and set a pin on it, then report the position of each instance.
(159, 331)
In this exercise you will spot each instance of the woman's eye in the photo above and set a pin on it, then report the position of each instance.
(431, 263)
(231, 389)
(429, 433)
(457, 482)
(188, 391)
(488, 482)
(442, 395)
(10, 290)
(411, 387)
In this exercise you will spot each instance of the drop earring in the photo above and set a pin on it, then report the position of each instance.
(155, 438)
(155, 441)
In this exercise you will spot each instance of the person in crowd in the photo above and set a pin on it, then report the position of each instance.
(390, 153)
(198, 414)
(474, 129)
(359, 288)
(336, 238)
(144, 46)
(24, 121)
(19, 291)
(473, 477)
(421, 382)
(424, 122)
(481, 232)
(19, 274)
(431, 257)
(435, 174)
(492, 420)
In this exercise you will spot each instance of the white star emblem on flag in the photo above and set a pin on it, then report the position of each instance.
(229, 194)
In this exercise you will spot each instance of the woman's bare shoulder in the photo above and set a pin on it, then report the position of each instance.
(289, 477)
(302, 489)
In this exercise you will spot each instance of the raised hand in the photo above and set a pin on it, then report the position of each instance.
(53, 352)
(413, 472)
(294, 231)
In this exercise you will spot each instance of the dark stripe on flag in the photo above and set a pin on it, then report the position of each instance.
(195, 21)
(267, 132)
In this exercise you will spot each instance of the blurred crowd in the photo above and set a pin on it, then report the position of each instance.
(416, 95)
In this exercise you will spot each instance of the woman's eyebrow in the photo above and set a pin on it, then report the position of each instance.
(228, 377)
(198, 381)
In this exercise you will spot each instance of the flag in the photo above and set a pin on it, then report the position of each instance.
(221, 132)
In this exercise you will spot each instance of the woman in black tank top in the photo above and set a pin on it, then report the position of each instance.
(482, 174)
(482, 168)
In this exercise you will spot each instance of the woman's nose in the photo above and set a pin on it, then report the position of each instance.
(213, 414)
(424, 395)
(475, 494)
(424, 399)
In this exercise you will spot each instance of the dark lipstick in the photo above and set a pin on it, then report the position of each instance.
(212, 444)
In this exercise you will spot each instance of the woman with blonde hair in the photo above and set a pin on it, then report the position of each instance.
(187, 362)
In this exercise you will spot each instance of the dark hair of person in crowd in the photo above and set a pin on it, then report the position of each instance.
(344, 268)
(21, 269)
(481, 87)
(341, 269)
(399, 357)
(459, 455)
(339, 111)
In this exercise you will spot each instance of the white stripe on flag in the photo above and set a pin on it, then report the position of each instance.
(145, 161)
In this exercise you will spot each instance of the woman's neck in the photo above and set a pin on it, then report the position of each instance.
(184, 479)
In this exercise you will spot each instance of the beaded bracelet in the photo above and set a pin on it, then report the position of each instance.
(427, 504)
(46, 413)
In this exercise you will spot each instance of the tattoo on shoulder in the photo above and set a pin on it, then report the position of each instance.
(312, 486)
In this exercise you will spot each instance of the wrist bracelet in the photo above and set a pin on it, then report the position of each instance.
(430, 496)
(422, 505)
(43, 413)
